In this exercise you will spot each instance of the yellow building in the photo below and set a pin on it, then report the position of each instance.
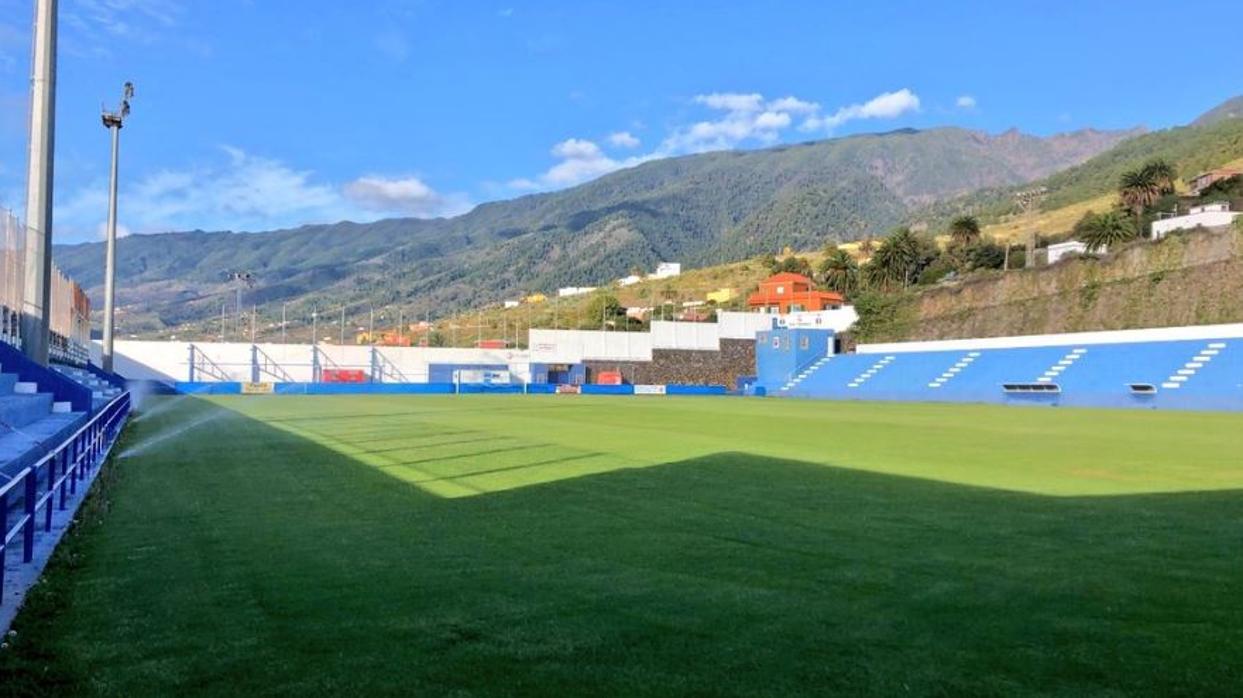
(722, 295)
(535, 298)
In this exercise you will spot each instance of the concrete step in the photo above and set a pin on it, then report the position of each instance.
(27, 445)
(7, 381)
(17, 411)
(25, 388)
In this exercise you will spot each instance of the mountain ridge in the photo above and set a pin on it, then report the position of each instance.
(697, 209)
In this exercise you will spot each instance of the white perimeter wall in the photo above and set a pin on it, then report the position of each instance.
(170, 361)
(1158, 334)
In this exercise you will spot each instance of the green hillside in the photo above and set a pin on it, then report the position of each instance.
(699, 210)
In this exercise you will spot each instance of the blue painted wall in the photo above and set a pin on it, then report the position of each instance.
(781, 353)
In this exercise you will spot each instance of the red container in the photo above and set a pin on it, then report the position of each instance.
(343, 375)
(609, 378)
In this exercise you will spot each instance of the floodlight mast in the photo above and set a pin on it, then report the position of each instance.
(113, 121)
(36, 293)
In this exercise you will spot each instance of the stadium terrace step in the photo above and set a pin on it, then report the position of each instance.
(871, 371)
(16, 411)
(1180, 376)
(7, 381)
(805, 373)
(949, 374)
(23, 446)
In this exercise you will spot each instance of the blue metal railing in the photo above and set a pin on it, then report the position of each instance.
(56, 476)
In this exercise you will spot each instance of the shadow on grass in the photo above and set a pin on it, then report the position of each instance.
(267, 564)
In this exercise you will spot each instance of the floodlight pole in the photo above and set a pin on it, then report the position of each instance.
(283, 306)
(342, 340)
(113, 121)
(36, 295)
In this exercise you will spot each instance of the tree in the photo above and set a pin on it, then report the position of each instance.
(1101, 231)
(602, 308)
(1162, 174)
(898, 260)
(794, 265)
(965, 230)
(839, 272)
(1142, 187)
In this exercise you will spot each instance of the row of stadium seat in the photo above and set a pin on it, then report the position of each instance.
(1194, 374)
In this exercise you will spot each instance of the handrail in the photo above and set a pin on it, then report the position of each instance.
(270, 367)
(387, 367)
(211, 368)
(66, 465)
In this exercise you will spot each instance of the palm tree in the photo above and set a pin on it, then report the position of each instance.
(1141, 188)
(965, 230)
(1162, 174)
(839, 272)
(1105, 230)
(896, 260)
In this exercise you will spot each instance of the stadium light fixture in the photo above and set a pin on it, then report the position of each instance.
(113, 121)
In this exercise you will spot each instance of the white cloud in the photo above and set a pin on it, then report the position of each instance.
(793, 105)
(732, 101)
(101, 231)
(887, 105)
(405, 195)
(740, 118)
(623, 139)
(249, 192)
(965, 102)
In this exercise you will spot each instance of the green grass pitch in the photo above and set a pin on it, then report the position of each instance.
(571, 545)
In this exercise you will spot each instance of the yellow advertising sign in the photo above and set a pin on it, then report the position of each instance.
(257, 389)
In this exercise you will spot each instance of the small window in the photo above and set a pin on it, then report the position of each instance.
(781, 289)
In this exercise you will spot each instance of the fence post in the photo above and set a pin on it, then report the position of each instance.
(72, 474)
(4, 533)
(191, 363)
(65, 456)
(51, 492)
(314, 363)
(28, 528)
(371, 376)
(254, 363)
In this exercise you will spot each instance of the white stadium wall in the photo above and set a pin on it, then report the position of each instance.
(1157, 334)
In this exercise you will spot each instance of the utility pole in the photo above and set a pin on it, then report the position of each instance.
(36, 296)
(113, 121)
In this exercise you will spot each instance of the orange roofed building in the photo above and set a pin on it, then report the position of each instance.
(788, 292)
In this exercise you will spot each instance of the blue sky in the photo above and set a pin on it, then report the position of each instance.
(256, 114)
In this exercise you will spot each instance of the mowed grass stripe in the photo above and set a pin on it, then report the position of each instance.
(517, 545)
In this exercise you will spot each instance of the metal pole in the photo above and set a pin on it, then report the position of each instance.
(283, 322)
(36, 305)
(110, 249)
(371, 325)
(237, 318)
(342, 341)
(254, 312)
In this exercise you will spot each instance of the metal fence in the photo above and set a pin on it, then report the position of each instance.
(52, 482)
(70, 317)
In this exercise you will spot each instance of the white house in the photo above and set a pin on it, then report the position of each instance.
(665, 270)
(512, 304)
(1062, 249)
(1216, 215)
(629, 280)
(574, 290)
